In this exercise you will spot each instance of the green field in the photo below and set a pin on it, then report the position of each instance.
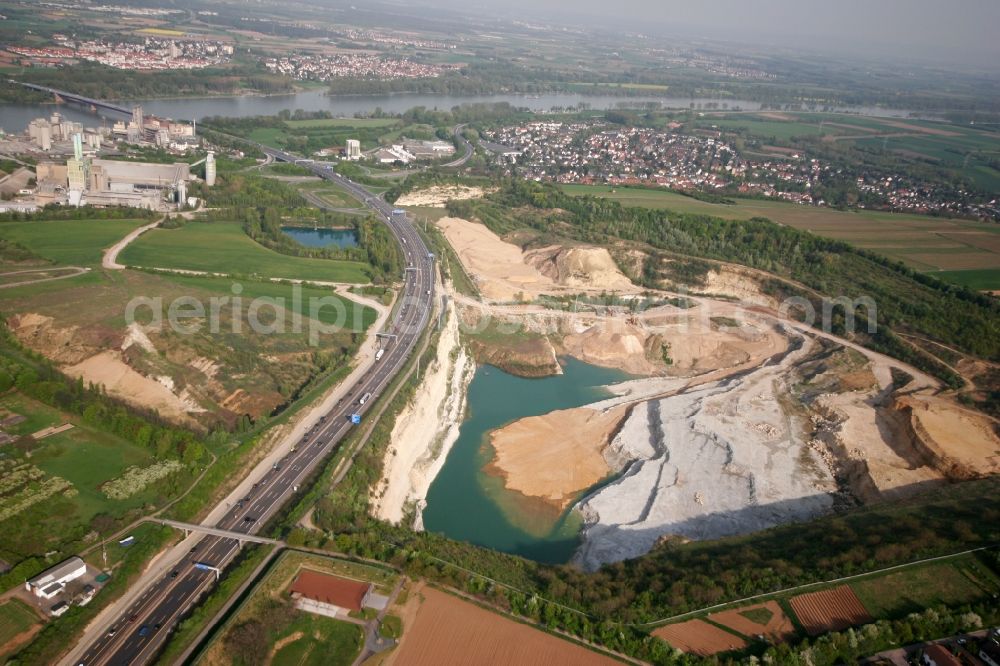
(777, 129)
(223, 247)
(85, 457)
(15, 618)
(968, 151)
(925, 243)
(269, 136)
(331, 194)
(312, 135)
(980, 280)
(953, 583)
(69, 242)
(359, 317)
(341, 122)
(971, 151)
(323, 642)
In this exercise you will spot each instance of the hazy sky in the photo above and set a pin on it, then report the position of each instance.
(930, 30)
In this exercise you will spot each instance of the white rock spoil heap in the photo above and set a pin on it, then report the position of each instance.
(723, 459)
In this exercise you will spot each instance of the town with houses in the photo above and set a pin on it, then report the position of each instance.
(596, 153)
(151, 54)
(303, 67)
(394, 40)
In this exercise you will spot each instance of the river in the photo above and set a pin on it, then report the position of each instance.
(466, 504)
(15, 117)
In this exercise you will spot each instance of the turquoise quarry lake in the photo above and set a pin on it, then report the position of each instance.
(467, 504)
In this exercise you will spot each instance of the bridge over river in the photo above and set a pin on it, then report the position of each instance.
(62, 95)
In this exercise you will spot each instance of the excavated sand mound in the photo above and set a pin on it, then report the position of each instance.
(555, 456)
(503, 272)
(495, 265)
(619, 345)
(438, 196)
(583, 267)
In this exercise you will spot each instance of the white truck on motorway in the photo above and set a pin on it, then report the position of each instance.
(379, 354)
(364, 398)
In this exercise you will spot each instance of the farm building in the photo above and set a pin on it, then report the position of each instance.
(59, 609)
(51, 582)
(329, 595)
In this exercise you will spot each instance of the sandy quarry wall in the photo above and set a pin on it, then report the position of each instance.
(425, 429)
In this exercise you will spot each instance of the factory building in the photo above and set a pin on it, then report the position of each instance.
(353, 149)
(428, 150)
(210, 169)
(51, 582)
(117, 176)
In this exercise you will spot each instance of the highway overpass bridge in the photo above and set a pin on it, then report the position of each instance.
(64, 96)
(215, 531)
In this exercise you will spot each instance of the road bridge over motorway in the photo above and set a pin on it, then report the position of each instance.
(216, 531)
(63, 95)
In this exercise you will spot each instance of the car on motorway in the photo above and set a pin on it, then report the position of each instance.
(112, 631)
(175, 573)
(144, 630)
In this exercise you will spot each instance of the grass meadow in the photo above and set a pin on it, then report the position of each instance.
(223, 247)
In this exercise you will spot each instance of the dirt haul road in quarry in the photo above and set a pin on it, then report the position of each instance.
(742, 419)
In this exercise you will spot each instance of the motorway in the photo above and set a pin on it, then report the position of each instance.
(140, 631)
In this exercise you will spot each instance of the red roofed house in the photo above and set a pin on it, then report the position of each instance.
(328, 595)
(937, 655)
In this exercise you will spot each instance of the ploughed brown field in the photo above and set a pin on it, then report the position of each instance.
(699, 637)
(448, 630)
(829, 610)
(778, 628)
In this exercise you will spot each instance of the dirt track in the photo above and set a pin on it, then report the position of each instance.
(778, 629)
(110, 259)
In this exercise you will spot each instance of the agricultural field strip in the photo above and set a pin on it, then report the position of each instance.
(788, 590)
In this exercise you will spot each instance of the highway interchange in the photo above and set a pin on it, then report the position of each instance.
(141, 630)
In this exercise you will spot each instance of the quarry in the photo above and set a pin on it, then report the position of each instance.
(734, 419)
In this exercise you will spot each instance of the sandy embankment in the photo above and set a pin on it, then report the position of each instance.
(555, 456)
(961, 443)
(425, 430)
(503, 272)
(74, 351)
(438, 196)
